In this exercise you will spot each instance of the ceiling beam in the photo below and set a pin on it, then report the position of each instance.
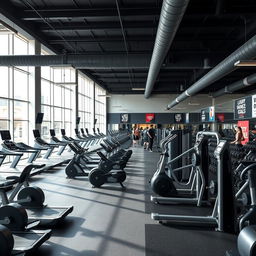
(67, 13)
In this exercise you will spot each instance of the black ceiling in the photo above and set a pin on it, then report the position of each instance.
(210, 31)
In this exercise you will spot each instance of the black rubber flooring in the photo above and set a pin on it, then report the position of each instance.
(111, 221)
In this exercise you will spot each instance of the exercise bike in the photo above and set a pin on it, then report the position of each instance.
(104, 173)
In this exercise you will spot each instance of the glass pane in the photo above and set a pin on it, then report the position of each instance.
(4, 45)
(67, 98)
(4, 109)
(57, 75)
(57, 127)
(57, 96)
(20, 131)
(46, 73)
(45, 92)
(67, 115)
(20, 46)
(20, 110)
(4, 125)
(45, 130)
(47, 112)
(57, 114)
(68, 128)
(4, 80)
(20, 85)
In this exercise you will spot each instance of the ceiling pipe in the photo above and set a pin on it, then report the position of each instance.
(246, 52)
(83, 61)
(247, 81)
(171, 15)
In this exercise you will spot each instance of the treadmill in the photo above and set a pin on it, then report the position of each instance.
(54, 160)
(32, 199)
(10, 148)
(22, 240)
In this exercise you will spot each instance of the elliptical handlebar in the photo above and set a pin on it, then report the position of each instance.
(246, 169)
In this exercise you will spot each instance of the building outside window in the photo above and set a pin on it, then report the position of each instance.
(85, 101)
(57, 92)
(100, 108)
(14, 96)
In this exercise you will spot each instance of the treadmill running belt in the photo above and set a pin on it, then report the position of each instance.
(47, 212)
(169, 241)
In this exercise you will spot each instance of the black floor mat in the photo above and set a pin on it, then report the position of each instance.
(168, 241)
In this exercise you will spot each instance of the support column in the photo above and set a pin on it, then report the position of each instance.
(93, 105)
(37, 84)
(76, 100)
(214, 125)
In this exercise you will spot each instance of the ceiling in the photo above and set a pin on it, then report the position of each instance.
(210, 31)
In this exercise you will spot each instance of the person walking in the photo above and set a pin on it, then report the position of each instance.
(136, 136)
(145, 138)
(151, 135)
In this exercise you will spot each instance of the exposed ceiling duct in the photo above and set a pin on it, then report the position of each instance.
(171, 15)
(246, 51)
(247, 81)
(83, 61)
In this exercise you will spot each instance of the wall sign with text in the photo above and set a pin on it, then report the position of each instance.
(243, 108)
(124, 118)
(150, 118)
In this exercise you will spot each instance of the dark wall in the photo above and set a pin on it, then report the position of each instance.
(160, 118)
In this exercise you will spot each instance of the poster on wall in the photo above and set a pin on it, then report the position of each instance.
(243, 108)
(178, 118)
(187, 118)
(245, 129)
(220, 117)
(253, 106)
(205, 115)
(150, 118)
(124, 118)
(211, 114)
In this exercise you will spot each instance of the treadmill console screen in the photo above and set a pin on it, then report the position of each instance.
(36, 133)
(87, 131)
(5, 135)
(52, 133)
(76, 132)
(98, 130)
(93, 130)
(82, 130)
(220, 146)
(63, 132)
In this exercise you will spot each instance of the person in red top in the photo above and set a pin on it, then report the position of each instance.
(136, 136)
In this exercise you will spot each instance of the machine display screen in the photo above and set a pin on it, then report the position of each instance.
(220, 146)
(36, 133)
(52, 132)
(63, 132)
(5, 135)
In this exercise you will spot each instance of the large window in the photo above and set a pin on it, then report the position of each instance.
(100, 108)
(14, 94)
(85, 101)
(57, 88)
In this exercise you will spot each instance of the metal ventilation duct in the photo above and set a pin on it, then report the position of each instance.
(246, 52)
(83, 61)
(247, 81)
(170, 18)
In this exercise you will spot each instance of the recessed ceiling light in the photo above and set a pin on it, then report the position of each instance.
(138, 89)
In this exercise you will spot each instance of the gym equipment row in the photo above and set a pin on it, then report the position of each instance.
(23, 209)
(229, 192)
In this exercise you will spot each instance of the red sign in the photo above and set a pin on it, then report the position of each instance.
(220, 117)
(245, 129)
(150, 118)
